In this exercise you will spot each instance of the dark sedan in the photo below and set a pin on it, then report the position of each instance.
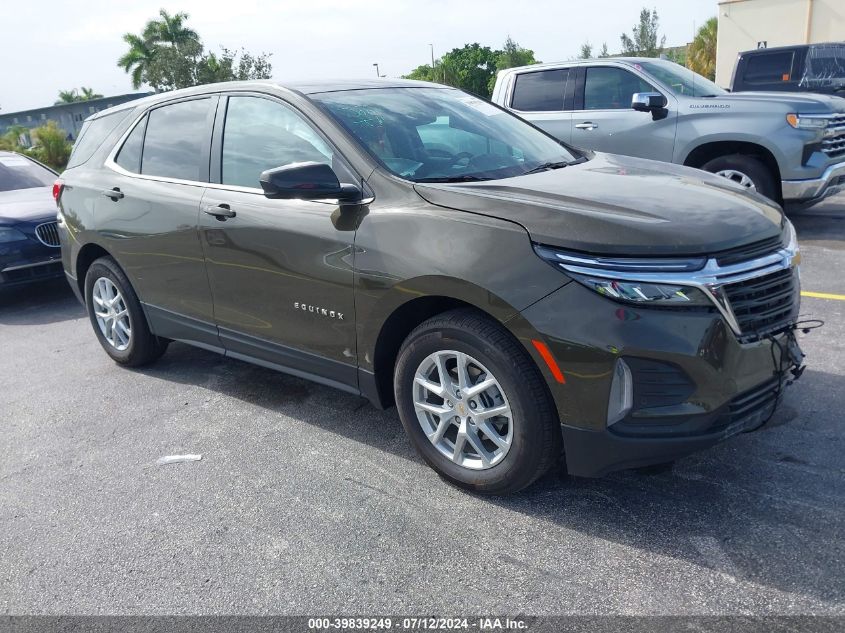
(29, 240)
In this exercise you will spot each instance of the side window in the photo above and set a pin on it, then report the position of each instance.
(261, 134)
(175, 138)
(93, 134)
(769, 68)
(608, 88)
(129, 156)
(539, 91)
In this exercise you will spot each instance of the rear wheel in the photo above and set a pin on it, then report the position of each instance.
(746, 171)
(475, 405)
(117, 317)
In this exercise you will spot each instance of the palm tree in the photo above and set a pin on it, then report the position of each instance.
(86, 94)
(170, 29)
(701, 56)
(67, 96)
(138, 59)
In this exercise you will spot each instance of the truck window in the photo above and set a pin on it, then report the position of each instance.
(609, 88)
(540, 91)
(769, 68)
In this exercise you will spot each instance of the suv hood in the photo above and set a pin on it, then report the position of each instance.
(800, 101)
(21, 205)
(615, 205)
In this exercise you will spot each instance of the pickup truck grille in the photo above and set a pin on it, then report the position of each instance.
(764, 304)
(834, 145)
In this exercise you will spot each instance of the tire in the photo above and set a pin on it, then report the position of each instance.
(531, 423)
(132, 345)
(761, 178)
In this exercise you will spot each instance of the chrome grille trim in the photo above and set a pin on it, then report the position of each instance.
(713, 279)
(48, 234)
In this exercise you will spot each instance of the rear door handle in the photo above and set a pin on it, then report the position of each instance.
(587, 125)
(221, 211)
(115, 193)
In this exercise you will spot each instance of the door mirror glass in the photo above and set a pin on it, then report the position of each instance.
(648, 101)
(306, 181)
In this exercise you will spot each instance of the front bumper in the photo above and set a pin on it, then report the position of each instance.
(701, 384)
(28, 261)
(831, 181)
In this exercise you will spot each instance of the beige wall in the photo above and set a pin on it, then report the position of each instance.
(743, 23)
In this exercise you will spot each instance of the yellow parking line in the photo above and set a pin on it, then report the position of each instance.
(823, 295)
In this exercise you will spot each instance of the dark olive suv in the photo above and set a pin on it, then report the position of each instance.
(518, 300)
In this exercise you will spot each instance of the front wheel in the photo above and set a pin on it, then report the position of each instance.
(117, 317)
(746, 171)
(475, 405)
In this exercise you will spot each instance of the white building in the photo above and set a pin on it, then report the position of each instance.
(748, 24)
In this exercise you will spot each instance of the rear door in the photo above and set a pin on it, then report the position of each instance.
(778, 70)
(541, 97)
(604, 120)
(148, 216)
(280, 270)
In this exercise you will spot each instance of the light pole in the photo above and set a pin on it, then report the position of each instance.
(432, 55)
(377, 72)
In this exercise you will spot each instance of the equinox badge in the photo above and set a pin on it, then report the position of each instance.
(318, 310)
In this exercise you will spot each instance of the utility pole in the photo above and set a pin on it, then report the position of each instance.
(377, 72)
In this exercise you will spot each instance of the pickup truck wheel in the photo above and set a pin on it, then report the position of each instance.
(117, 317)
(475, 405)
(745, 171)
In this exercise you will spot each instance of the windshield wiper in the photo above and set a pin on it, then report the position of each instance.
(464, 178)
(548, 166)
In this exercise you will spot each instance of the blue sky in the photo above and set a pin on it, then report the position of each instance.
(57, 45)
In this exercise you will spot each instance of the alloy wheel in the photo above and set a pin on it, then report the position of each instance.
(738, 177)
(463, 409)
(111, 313)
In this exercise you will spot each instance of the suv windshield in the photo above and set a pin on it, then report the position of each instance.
(18, 172)
(440, 134)
(680, 80)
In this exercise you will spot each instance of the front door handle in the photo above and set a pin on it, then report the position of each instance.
(221, 211)
(115, 194)
(587, 125)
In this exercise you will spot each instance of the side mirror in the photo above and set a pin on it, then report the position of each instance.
(648, 101)
(306, 181)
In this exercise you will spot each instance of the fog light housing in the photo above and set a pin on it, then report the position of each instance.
(621, 393)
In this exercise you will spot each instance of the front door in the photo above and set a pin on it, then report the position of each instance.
(280, 270)
(605, 122)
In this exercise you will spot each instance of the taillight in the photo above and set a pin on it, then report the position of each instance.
(58, 186)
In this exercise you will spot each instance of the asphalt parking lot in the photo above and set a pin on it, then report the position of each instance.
(308, 500)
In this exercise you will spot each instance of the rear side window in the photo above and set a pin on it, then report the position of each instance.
(92, 135)
(608, 88)
(18, 172)
(175, 140)
(769, 68)
(129, 156)
(540, 91)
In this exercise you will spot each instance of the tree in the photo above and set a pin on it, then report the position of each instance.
(50, 145)
(645, 40)
(87, 94)
(701, 55)
(67, 96)
(586, 51)
(169, 55)
(138, 59)
(603, 52)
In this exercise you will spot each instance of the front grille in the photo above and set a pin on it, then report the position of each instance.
(749, 251)
(764, 305)
(48, 233)
(834, 146)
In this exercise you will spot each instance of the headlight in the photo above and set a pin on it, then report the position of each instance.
(615, 278)
(10, 235)
(815, 122)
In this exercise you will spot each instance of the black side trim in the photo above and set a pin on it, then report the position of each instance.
(290, 361)
(369, 389)
(179, 327)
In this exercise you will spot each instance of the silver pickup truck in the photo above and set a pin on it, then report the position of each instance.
(789, 147)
